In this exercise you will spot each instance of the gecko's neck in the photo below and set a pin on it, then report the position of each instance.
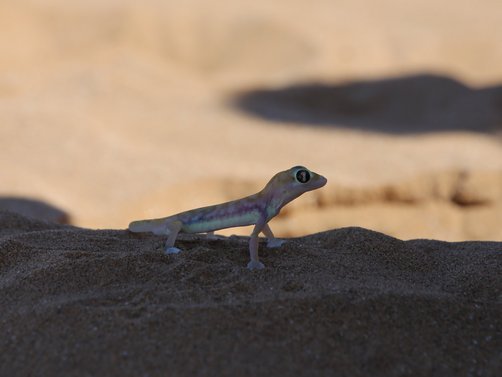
(275, 198)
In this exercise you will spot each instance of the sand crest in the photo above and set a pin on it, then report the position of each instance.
(351, 301)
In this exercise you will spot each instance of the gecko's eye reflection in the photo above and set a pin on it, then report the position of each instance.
(302, 176)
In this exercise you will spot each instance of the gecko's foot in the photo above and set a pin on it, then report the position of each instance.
(275, 242)
(172, 250)
(255, 265)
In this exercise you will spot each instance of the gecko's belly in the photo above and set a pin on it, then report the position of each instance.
(209, 222)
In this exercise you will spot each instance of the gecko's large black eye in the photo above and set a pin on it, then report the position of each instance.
(303, 176)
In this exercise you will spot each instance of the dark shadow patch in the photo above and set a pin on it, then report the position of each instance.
(420, 103)
(34, 209)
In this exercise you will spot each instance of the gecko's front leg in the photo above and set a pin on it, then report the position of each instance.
(254, 263)
(272, 242)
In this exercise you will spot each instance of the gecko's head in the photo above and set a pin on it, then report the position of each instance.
(293, 182)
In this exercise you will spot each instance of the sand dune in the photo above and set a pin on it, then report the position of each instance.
(85, 302)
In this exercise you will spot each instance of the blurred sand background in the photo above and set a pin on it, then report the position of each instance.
(116, 110)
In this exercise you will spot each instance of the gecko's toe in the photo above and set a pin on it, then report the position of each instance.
(255, 265)
(172, 250)
(275, 242)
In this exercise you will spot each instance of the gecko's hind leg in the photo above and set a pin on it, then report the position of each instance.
(173, 228)
(272, 242)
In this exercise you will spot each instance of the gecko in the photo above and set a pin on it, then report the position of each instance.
(257, 209)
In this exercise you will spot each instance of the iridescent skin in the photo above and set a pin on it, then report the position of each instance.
(255, 210)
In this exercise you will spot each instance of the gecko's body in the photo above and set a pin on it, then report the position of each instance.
(255, 209)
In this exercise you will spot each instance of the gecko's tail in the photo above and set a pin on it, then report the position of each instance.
(156, 226)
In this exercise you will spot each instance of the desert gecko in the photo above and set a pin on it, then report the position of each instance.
(255, 210)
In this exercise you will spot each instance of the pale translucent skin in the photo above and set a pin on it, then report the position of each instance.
(255, 210)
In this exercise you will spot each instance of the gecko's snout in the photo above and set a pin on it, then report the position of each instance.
(317, 180)
(320, 181)
(324, 180)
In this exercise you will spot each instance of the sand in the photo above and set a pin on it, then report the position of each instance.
(79, 302)
(112, 111)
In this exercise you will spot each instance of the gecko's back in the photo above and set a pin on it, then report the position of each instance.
(239, 212)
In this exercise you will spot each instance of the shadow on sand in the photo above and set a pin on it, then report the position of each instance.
(35, 209)
(410, 104)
